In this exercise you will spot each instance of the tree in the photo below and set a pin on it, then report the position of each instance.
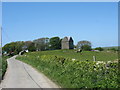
(18, 47)
(15, 47)
(10, 47)
(99, 48)
(55, 43)
(30, 45)
(84, 45)
(41, 44)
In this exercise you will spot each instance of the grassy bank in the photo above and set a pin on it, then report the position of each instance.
(85, 55)
(3, 66)
(72, 70)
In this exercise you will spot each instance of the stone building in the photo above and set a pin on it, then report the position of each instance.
(67, 43)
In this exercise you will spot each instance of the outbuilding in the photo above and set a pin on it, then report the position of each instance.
(67, 43)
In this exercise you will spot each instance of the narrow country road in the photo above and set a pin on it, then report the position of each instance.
(21, 75)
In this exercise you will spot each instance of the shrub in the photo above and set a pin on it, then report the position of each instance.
(3, 66)
(99, 48)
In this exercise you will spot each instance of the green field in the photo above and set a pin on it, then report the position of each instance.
(75, 70)
(105, 48)
(85, 55)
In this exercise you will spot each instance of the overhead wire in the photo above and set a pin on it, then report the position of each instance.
(6, 35)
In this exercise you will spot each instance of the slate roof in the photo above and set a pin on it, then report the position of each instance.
(66, 38)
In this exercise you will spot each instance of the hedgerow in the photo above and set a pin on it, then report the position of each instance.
(3, 66)
(74, 74)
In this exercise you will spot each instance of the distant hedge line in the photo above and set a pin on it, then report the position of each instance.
(74, 74)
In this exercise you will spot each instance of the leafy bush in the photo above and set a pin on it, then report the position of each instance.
(113, 49)
(99, 48)
(3, 66)
(74, 74)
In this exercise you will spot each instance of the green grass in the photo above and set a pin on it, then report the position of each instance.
(3, 66)
(105, 48)
(86, 55)
(60, 68)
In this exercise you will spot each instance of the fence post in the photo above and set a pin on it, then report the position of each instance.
(94, 58)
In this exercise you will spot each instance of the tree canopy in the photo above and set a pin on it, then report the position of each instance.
(55, 43)
(15, 47)
(99, 48)
(84, 45)
(41, 44)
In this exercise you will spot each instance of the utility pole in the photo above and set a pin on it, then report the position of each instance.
(1, 41)
(0, 28)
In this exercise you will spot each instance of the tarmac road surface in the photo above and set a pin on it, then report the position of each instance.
(21, 75)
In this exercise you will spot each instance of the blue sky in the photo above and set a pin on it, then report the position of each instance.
(95, 22)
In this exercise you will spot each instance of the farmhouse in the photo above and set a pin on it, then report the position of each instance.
(67, 43)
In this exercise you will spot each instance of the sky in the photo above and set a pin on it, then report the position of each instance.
(60, 0)
(96, 22)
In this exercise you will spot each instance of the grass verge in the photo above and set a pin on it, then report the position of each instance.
(3, 66)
